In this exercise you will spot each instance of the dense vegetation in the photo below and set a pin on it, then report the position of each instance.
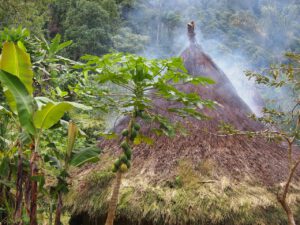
(260, 30)
(64, 82)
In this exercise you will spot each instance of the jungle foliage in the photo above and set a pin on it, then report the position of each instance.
(261, 31)
(55, 104)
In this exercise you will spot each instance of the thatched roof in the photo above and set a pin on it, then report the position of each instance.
(233, 156)
(199, 178)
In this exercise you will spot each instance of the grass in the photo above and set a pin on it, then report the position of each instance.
(185, 199)
(92, 195)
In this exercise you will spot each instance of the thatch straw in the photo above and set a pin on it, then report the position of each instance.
(187, 198)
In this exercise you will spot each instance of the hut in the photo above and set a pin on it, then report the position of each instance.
(194, 179)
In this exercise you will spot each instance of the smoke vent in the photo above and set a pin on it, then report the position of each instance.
(191, 32)
(199, 63)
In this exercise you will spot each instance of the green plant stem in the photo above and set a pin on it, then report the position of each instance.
(19, 188)
(34, 189)
(58, 209)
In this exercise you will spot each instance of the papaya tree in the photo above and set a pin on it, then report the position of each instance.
(144, 81)
(281, 118)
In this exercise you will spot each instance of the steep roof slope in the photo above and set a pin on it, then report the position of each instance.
(233, 156)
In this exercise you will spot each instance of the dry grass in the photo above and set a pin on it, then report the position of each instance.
(188, 198)
(90, 195)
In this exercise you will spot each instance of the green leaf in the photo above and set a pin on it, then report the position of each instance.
(109, 135)
(64, 45)
(4, 166)
(23, 100)
(7, 183)
(2, 109)
(79, 106)
(56, 46)
(41, 101)
(200, 80)
(60, 92)
(84, 156)
(50, 114)
(72, 133)
(10, 100)
(16, 61)
(143, 139)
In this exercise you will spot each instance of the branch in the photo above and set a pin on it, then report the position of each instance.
(298, 104)
(290, 177)
(124, 86)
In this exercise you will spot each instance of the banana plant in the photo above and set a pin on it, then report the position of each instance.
(62, 183)
(16, 77)
(34, 114)
(63, 162)
(7, 166)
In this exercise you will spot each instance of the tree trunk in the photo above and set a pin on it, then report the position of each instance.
(287, 209)
(58, 209)
(19, 190)
(114, 200)
(27, 194)
(282, 197)
(34, 191)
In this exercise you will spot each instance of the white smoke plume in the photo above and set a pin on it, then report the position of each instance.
(258, 33)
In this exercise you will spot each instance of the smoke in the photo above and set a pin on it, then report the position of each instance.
(238, 35)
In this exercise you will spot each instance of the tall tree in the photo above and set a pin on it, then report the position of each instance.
(30, 14)
(90, 25)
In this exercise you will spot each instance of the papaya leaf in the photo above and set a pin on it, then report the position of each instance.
(23, 100)
(200, 80)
